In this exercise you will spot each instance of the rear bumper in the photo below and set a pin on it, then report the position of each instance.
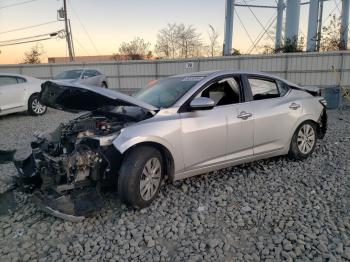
(323, 124)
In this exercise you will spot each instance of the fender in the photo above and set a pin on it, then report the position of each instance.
(122, 144)
(302, 119)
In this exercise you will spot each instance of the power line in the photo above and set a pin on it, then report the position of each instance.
(16, 4)
(27, 27)
(263, 32)
(259, 21)
(245, 29)
(81, 46)
(31, 41)
(52, 34)
(87, 33)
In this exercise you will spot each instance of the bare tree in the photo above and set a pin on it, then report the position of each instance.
(167, 42)
(188, 41)
(136, 49)
(331, 40)
(213, 41)
(178, 41)
(33, 55)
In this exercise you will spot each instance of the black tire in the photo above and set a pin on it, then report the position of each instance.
(32, 106)
(131, 171)
(294, 151)
(104, 85)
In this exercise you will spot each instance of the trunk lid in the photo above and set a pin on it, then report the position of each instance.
(76, 97)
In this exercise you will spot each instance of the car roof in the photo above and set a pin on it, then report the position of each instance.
(217, 73)
(18, 75)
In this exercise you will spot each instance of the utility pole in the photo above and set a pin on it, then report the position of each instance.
(344, 31)
(312, 31)
(230, 6)
(319, 30)
(280, 10)
(68, 33)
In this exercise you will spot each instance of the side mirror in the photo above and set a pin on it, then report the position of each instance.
(202, 103)
(85, 77)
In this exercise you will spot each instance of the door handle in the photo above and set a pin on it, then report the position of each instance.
(244, 115)
(294, 106)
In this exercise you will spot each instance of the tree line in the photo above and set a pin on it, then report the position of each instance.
(176, 41)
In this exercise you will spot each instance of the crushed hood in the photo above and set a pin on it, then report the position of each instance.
(77, 97)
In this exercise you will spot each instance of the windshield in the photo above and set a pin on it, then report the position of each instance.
(70, 74)
(165, 92)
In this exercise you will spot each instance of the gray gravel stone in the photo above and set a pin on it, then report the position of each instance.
(270, 210)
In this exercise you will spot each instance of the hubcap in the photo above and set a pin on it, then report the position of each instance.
(37, 107)
(306, 139)
(150, 178)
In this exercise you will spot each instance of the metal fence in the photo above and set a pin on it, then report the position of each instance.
(302, 68)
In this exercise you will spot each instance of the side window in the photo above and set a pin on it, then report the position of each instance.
(263, 88)
(96, 73)
(7, 80)
(89, 73)
(21, 80)
(223, 92)
(283, 88)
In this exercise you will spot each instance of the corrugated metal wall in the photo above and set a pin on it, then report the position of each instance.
(301, 68)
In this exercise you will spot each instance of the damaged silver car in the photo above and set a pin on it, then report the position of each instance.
(174, 128)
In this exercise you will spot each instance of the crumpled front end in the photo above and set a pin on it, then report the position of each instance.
(67, 169)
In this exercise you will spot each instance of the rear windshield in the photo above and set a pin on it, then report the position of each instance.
(165, 92)
(70, 74)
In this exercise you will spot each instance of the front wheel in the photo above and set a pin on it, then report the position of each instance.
(140, 176)
(304, 141)
(35, 107)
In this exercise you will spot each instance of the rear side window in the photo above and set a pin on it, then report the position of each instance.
(283, 88)
(263, 88)
(20, 80)
(7, 80)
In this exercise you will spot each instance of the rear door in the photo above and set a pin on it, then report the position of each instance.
(275, 113)
(12, 92)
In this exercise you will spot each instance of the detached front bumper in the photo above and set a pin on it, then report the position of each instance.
(73, 205)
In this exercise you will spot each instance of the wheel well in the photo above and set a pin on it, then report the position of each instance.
(312, 121)
(31, 97)
(167, 157)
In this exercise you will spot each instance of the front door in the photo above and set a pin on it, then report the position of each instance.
(214, 136)
(11, 93)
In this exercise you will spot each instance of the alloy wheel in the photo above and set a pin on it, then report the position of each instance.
(37, 107)
(306, 139)
(150, 178)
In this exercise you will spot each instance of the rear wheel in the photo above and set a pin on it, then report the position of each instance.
(35, 107)
(140, 176)
(304, 141)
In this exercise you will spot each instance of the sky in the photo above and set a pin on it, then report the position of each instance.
(100, 26)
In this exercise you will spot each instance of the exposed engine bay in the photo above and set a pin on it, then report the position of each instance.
(67, 168)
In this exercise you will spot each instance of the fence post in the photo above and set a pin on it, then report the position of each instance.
(198, 65)
(118, 76)
(286, 67)
(51, 71)
(156, 68)
(341, 68)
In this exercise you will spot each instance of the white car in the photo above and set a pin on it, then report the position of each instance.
(20, 93)
(84, 76)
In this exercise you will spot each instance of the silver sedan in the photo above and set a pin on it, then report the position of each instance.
(176, 127)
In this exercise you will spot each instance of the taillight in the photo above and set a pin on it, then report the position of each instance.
(323, 102)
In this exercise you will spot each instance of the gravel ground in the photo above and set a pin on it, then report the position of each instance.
(268, 210)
